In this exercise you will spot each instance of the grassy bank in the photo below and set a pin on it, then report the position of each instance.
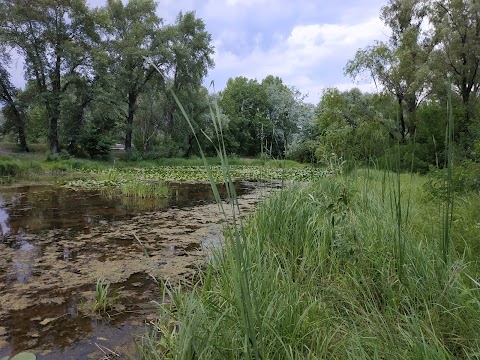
(38, 165)
(347, 267)
(28, 167)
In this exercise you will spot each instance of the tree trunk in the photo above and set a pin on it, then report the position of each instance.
(19, 123)
(22, 139)
(412, 114)
(170, 121)
(401, 119)
(466, 91)
(132, 101)
(53, 106)
(191, 139)
(53, 134)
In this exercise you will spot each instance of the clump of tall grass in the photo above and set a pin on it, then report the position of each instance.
(316, 273)
(14, 169)
(104, 299)
(144, 190)
(324, 274)
(9, 168)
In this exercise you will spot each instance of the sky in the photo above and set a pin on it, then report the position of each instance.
(307, 43)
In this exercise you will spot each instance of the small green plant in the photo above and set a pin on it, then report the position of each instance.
(104, 299)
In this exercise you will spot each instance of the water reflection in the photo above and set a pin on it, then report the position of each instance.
(33, 208)
(51, 236)
(3, 219)
(22, 262)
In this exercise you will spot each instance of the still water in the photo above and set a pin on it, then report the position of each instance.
(55, 243)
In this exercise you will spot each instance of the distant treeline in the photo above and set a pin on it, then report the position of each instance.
(89, 86)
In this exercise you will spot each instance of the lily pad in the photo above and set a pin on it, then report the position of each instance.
(24, 356)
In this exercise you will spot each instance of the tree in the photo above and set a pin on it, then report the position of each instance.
(133, 33)
(55, 38)
(100, 119)
(190, 59)
(245, 103)
(400, 66)
(285, 111)
(457, 28)
(150, 119)
(13, 111)
(349, 127)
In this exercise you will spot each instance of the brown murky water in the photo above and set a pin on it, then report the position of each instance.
(55, 243)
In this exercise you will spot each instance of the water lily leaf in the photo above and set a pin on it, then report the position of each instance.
(24, 356)
(5, 358)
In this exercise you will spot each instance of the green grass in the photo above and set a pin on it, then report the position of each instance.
(104, 299)
(323, 280)
(350, 266)
(143, 190)
(199, 173)
(34, 166)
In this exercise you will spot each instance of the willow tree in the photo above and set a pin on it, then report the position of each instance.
(13, 110)
(457, 28)
(133, 33)
(400, 66)
(190, 58)
(55, 38)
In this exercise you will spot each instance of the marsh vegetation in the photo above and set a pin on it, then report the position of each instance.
(368, 250)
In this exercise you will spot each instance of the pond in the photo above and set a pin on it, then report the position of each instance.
(55, 243)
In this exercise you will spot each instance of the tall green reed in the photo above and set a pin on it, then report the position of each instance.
(244, 291)
(447, 205)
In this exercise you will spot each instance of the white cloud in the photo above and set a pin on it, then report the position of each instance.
(310, 58)
(307, 42)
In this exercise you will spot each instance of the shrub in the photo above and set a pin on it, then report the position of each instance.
(9, 168)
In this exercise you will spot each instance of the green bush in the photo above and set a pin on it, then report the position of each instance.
(410, 157)
(465, 177)
(9, 168)
(61, 155)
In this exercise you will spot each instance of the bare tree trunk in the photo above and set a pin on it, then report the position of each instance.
(22, 139)
(132, 101)
(53, 105)
(401, 119)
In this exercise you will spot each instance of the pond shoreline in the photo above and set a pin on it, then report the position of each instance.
(50, 274)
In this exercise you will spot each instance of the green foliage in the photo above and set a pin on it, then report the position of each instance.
(348, 127)
(275, 170)
(465, 178)
(244, 102)
(37, 120)
(104, 300)
(400, 65)
(95, 144)
(142, 190)
(63, 33)
(304, 151)
(410, 157)
(9, 168)
(62, 155)
(324, 272)
(455, 25)
(13, 110)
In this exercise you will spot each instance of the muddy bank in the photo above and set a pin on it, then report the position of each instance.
(48, 276)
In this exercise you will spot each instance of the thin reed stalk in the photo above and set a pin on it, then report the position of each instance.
(447, 206)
